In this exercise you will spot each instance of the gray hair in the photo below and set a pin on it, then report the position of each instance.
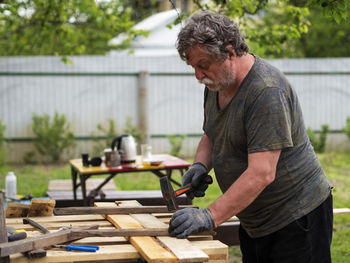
(212, 31)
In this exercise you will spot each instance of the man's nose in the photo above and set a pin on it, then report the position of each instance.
(199, 74)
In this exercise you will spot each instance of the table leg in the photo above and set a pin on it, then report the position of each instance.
(168, 173)
(83, 189)
(97, 191)
(74, 181)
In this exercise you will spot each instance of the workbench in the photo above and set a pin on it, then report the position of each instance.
(166, 168)
(153, 248)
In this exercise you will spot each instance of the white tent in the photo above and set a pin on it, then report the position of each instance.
(160, 41)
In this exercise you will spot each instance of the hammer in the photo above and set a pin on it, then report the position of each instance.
(169, 194)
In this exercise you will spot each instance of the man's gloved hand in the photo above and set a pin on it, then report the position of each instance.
(194, 176)
(189, 221)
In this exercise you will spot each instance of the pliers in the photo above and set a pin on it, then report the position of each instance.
(85, 248)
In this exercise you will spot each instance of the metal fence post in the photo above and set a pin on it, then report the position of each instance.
(143, 82)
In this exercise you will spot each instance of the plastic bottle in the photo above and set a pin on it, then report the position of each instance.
(11, 185)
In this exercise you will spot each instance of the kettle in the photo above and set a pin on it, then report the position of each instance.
(125, 144)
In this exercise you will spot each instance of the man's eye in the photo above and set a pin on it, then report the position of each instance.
(204, 66)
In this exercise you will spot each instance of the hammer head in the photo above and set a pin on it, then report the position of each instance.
(168, 193)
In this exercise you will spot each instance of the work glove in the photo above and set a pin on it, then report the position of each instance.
(188, 221)
(195, 176)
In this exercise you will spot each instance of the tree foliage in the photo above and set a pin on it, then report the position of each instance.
(272, 27)
(326, 38)
(55, 27)
(73, 27)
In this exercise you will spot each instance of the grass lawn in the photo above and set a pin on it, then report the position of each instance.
(34, 180)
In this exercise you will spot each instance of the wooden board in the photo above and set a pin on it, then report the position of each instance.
(41, 207)
(181, 248)
(148, 247)
(66, 185)
(120, 249)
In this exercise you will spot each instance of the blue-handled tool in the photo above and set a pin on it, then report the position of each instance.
(85, 248)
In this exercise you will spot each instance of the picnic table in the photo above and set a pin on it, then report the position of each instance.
(166, 168)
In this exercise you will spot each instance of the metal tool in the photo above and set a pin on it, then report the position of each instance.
(14, 235)
(169, 194)
(85, 248)
(36, 225)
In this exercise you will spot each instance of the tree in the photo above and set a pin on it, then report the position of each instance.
(141, 8)
(72, 27)
(271, 27)
(55, 27)
(318, 43)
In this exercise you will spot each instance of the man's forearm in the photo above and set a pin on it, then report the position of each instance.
(204, 152)
(260, 173)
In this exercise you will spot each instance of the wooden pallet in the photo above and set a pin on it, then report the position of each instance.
(122, 249)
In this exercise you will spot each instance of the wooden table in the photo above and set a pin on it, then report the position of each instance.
(166, 168)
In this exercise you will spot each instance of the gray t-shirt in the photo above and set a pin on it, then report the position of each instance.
(265, 115)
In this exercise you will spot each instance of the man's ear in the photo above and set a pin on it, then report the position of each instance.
(231, 51)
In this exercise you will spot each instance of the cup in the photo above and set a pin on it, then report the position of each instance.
(146, 153)
(115, 159)
(85, 159)
(108, 155)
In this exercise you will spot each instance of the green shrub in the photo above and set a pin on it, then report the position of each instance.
(319, 142)
(53, 136)
(346, 129)
(110, 132)
(176, 143)
(29, 157)
(133, 130)
(2, 143)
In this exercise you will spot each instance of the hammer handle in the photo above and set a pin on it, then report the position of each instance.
(36, 225)
(187, 188)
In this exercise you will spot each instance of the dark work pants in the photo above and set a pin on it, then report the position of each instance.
(306, 240)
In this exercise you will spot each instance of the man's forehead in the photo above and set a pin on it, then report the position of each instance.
(197, 54)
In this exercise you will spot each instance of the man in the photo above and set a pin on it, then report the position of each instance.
(256, 141)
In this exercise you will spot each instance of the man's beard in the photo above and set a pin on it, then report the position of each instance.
(224, 81)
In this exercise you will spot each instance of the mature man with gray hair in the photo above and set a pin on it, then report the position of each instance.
(256, 141)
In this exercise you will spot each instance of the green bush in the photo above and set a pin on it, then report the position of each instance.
(2, 143)
(53, 136)
(133, 130)
(110, 132)
(176, 143)
(346, 129)
(319, 142)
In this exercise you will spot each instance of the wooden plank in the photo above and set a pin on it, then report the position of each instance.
(340, 211)
(41, 207)
(37, 242)
(66, 185)
(3, 231)
(100, 241)
(58, 225)
(216, 250)
(147, 246)
(115, 253)
(112, 252)
(57, 219)
(113, 210)
(183, 249)
(14, 210)
(149, 221)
